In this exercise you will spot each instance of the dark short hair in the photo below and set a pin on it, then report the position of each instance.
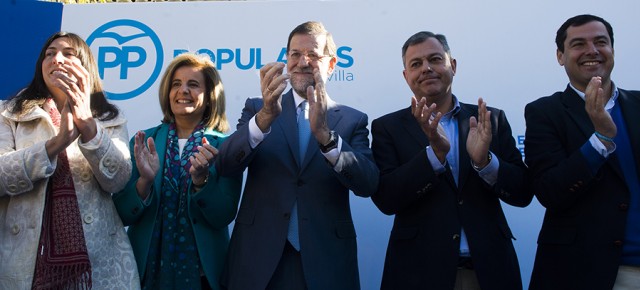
(314, 28)
(578, 20)
(421, 37)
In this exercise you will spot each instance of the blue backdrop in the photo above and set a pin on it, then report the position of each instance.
(27, 24)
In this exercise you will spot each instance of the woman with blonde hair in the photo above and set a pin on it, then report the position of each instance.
(176, 205)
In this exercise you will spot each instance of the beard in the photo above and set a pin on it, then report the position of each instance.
(300, 83)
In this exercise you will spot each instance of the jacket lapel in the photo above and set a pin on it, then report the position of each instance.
(413, 128)
(574, 105)
(160, 138)
(333, 117)
(464, 161)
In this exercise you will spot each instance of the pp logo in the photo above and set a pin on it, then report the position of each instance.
(122, 48)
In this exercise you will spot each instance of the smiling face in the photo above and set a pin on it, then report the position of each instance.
(429, 71)
(59, 52)
(588, 52)
(301, 69)
(187, 93)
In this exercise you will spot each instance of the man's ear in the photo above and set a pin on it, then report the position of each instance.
(560, 56)
(454, 64)
(332, 64)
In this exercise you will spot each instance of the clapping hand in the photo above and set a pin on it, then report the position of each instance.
(76, 84)
(430, 124)
(479, 137)
(147, 162)
(317, 97)
(272, 84)
(595, 101)
(200, 162)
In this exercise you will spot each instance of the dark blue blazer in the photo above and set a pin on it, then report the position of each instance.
(580, 243)
(431, 209)
(275, 181)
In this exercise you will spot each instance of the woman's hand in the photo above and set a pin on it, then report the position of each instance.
(147, 162)
(76, 84)
(66, 134)
(200, 162)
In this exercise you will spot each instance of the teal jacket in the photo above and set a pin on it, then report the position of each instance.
(211, 209)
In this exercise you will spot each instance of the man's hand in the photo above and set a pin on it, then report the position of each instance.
(431, 127)
(479, 137)
(317, 99)
(595, 101)
(272, 84)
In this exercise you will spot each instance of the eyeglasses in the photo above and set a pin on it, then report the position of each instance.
(311, 56)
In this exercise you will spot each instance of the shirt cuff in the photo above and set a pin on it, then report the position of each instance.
(255, 134)
(333, 154)
(435, 163)
(490, 172)
(597, 144)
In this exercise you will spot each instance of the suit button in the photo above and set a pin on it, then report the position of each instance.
(300, 182)
(346, 174)
(623, 207)
(460, 202)
(456, 237)
(240, 156)
(15, 229)
(85, 176)
(88, 219)
(135, 210)
(617, 243)
(287, 216)
(22, 184)
(12, 188)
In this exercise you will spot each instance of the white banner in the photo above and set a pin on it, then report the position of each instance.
(505, 52)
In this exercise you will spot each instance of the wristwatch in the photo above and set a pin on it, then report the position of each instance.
(478, 168)
(333, 142)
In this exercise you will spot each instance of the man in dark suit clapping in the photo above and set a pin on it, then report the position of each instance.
(304, 153)
(582, 146)
(445, 166)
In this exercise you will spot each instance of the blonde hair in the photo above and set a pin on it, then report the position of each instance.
(214, 113)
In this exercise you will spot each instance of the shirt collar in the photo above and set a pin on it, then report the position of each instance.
(454, 111)
(610, 103)
(297, 99)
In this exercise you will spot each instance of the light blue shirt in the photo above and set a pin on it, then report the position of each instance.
(489, 173)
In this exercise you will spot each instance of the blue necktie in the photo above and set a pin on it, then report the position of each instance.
(304, 132)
